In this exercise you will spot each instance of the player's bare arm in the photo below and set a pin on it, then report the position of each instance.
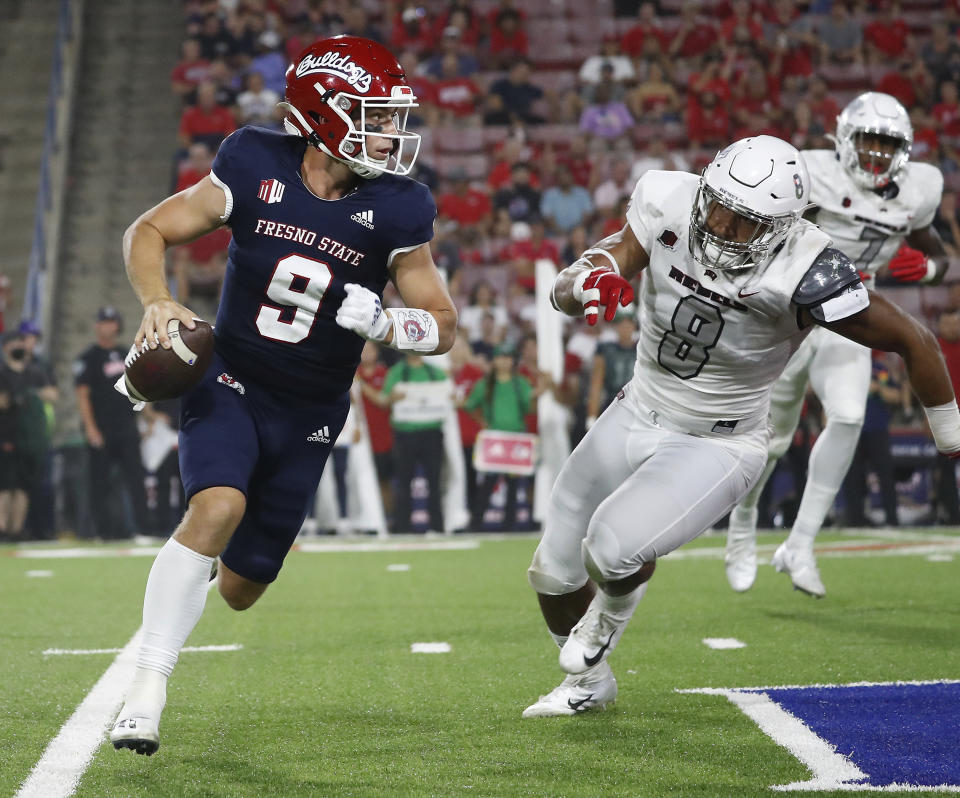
(428, 323)
(601, 276)
(883, 325)
(177, 220)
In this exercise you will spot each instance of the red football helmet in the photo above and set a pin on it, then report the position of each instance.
(343, 90)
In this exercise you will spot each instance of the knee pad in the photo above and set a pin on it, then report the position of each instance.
(601, 554)
(550, 576)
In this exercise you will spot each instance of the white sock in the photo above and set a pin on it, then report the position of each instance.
(172, 605)
(621, 607)
(560, 640)
(829, 461)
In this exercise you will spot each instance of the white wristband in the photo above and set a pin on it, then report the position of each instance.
(606, 254)
(414, 330)
(931, 271)
(944, 423)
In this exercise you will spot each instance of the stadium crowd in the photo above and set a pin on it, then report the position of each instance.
(537, 120)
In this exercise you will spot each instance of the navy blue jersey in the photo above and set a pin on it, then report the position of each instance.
(291, 255)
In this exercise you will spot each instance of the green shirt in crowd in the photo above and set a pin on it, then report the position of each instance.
(404, 372)
(507, 408)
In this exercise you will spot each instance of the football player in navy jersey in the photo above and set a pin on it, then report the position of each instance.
(321, 220)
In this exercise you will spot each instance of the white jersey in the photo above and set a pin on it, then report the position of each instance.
(712, 342)
(862, 224)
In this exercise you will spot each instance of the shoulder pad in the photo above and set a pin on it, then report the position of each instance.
(830, 273)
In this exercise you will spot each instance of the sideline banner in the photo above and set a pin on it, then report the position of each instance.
(505, 452)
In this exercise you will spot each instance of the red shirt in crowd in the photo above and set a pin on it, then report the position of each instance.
(458, 95)
(517, 43)
(378, 418)
(469, 208)
(948, 117)
(708, 125)
(951, 353)
(825, 112)
(192, 72)
(890, 38)
(899, 86)
(196, 121)
(631, 43)
(464, 378)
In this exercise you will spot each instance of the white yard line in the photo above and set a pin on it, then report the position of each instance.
(54, 652)
(67, 756)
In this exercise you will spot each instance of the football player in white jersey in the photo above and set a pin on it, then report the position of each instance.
(734, 279)
(870, 199)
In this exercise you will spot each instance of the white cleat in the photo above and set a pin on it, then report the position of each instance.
(595, 689)
(741, 559)
(591, 641)
(802, 569)
(134, 731)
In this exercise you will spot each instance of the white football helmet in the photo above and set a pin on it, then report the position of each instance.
(873, 115)
(761, 179)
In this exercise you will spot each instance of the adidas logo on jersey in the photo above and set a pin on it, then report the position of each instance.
(322, 435)
(363, 217)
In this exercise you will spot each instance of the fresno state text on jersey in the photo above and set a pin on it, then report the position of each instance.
(291, 255)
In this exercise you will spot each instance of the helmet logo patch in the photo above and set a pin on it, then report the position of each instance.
(341, 66)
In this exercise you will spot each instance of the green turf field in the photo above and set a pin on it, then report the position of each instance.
(325, 697)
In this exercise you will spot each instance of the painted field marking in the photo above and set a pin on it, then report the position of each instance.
(829, 769)
(398, 566)
(38, 574)
(721, 643)
(429, 648)
(55, 652)
(940, 557)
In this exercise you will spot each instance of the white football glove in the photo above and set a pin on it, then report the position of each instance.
(362, 313)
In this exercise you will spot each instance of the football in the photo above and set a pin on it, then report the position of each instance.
(152, 375)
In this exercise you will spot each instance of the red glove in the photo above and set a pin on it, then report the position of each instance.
(603, 286)
(911, 265)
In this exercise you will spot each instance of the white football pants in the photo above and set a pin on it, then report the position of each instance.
(633, 491)
(838, 370)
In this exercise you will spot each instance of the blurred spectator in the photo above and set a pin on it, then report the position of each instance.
(926, 141)
(647, 26)
(708, 124)
(947, 111)
(517, 94)
(657, 156)
(840, 36)
(824, 108)
(947, 223)
(270, 61)
(226, 84)
(206, 121)
(605, 117)
(873, 452)
(455, 96)
(356, 22)
(30, 390)
(574, 245)
(887, 35)
(621, 67)
(460, 15)
(465, 371)
(939, 50)
(508, 39)
(198, 271)
(755, 93)
(565, 205)
(617, 185)
(714, 76)
(412, 29)
(257, 105)
(806, 132)
(158, 451)
(191, 70)
(463, 203)
(506, 154)
(500, 401)
(654, 99)
(792, 40)
(489, 337)
(613, 363)
(13, 495)
(416, 416)
(452, 46)
(908, 81)
(743, 25)
(528, 245)
(215, 40)
(483, 302)
(520, 198)
(196, 167)
(692, 37)
(371, 374)
(111, 430)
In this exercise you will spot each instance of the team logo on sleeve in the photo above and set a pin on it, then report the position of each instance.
(230, 382)
(270, 191)
(413, 326)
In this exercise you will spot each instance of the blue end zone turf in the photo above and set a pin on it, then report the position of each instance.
(897, 734)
